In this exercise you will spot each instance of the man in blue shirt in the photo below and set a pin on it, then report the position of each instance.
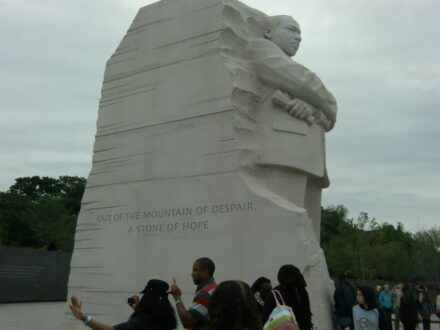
(386, 302)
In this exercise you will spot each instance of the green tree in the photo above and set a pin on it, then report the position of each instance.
(41, 212)
(338, 250)
(363, 245)
(14, 225)
(331, 218)
(52, 225)
(426, 256)
(338, 239)
(72, 190)
(69, 189)
(35, 187)
(370, 250)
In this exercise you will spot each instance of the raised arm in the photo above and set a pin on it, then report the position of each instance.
(188, 320)
(75, 307)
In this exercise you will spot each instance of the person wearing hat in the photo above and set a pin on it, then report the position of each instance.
(151, 312)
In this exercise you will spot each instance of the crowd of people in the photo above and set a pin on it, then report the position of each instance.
(230, 305)
(362, 307)
(234, 305)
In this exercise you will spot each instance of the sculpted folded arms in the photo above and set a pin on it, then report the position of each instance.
(306, 97)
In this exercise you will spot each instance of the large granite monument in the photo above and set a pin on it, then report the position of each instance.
(210, 142)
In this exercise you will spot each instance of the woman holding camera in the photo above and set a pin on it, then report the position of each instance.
(152, 312)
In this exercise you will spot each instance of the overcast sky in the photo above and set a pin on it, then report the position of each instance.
(380, 59)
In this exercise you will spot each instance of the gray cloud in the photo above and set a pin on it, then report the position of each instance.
(380, 59)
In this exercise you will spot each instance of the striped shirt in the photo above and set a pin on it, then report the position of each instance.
(199, 307)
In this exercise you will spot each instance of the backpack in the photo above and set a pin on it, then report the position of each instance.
(282, 317)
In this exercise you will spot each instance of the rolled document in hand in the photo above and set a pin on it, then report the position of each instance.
(281, 99)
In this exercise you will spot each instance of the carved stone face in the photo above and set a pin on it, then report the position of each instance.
(286, 35)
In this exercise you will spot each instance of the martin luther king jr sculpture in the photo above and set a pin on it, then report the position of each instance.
(287, 116)
(210, 139)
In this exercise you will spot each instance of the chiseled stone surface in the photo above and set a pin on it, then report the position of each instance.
(35, 315)
(193, 158)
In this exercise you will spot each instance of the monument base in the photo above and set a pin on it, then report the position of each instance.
(246, 235)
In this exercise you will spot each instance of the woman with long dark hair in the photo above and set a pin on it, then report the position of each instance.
(152, 312)
(408, 309)
(233, 307)
(261, 289)
(292, 287)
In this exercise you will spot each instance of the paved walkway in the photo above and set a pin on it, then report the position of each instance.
(35, 316)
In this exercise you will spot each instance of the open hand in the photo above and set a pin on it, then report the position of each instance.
(75, 307)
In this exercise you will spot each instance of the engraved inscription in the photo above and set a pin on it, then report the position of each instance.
(173, 219)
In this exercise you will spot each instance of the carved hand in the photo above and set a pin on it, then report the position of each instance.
(300, 109)
(322, 120)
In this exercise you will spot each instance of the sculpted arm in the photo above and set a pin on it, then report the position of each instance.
(279, 71)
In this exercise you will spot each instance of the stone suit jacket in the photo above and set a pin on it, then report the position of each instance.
(286, 141)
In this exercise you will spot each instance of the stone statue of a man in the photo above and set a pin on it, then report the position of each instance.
(293, 113)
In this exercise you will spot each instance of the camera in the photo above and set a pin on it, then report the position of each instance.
(130, 301)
